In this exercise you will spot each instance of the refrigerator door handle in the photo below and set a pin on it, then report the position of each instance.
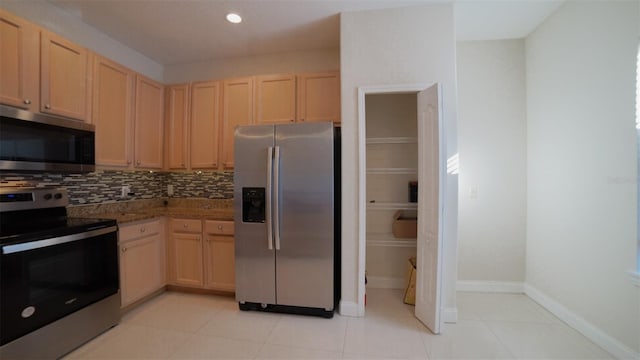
(276, 196)
(269, 198)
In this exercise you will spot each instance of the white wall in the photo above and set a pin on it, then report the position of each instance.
(492, 144)
(396, 46)
(292, 62)
(581, 213)
(52, 18)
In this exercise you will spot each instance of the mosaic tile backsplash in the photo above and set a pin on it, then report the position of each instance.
(106, 186)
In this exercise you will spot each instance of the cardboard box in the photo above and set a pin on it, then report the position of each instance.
(405, 224)
(410, 280)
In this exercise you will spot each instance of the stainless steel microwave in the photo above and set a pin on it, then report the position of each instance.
(37, 142)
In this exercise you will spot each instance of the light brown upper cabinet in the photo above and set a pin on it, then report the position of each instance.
(237, 110)
(148, 122)
(275, 99)
(113, 112)
(177, 131)
(65, 88)
(205, 124)
(319, 97)
(19, 62)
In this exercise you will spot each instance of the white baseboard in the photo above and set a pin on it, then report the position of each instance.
(349, 308)
(511, 287)
(449, 315)
(593, 333)
(384, 282)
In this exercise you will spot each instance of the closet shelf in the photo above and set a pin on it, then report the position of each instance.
(392, 171)
(388, 240)
(392, 140)
(391, 206)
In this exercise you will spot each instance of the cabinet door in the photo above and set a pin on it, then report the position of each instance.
(64, 83)
(148, 123)
(237, 110)
(140, 268)
(112, 112)
(19, 61)
(177, 111)
(186, 259)
(205, 125)
(219, 252)
(319, 97)
(275, 99)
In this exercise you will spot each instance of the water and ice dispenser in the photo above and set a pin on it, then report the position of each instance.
(253, 205)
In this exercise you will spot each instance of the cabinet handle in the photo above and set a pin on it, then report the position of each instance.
(47, 106)
(219, 227)
(138, 163)
(124, 249)
(292, 120)
(128, 162)
(27, 101)
(142, 229)
(185, 226)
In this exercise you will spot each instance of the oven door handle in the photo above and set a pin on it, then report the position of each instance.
(16, 248)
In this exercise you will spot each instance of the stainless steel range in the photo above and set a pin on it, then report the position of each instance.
(59, 284)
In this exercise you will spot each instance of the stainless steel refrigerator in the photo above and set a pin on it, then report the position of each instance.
(286, 203)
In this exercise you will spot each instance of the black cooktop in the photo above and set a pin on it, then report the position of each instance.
(21, 226)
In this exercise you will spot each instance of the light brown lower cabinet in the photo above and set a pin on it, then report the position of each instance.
(208, 264)
(219, 255)
(141, 260)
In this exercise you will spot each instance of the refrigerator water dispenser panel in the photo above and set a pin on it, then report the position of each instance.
(253, 205)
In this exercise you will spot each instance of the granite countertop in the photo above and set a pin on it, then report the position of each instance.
(135, 210)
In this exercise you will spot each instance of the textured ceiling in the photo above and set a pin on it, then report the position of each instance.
(185, 31)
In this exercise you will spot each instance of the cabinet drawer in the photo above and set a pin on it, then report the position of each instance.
(135, 231)
(219, 227)
(186, 225)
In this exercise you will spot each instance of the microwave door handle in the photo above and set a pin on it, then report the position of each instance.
(276, 195)
(31, 245)
(269, 198)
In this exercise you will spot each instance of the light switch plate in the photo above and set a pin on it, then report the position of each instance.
(473, 192)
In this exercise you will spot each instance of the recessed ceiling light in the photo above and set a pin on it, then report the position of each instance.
(234, 18)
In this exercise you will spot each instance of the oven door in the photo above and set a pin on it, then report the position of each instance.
(42, 281)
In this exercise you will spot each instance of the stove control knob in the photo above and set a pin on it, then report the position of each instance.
(58, 196)
(47, 196)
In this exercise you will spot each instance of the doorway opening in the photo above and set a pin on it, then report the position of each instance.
(391, 129)
(400, 147)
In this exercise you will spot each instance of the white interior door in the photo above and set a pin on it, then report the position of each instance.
(428, 277)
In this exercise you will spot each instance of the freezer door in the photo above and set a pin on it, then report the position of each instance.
(255, 253)
(303, 212)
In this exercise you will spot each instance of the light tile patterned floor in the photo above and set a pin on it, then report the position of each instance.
(187, 326)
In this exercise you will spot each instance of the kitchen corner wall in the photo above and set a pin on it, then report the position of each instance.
(492, 132)
(581, 171)
(105, 186)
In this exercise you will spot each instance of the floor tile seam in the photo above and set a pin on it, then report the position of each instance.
(273, 328)
(205, 323)
(346, 331)
(121, 335)
(218, 337)
(542, 322)
(303, 347)
(500, 340)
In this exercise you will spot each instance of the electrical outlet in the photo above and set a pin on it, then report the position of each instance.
(170, 190)
(125, 190)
